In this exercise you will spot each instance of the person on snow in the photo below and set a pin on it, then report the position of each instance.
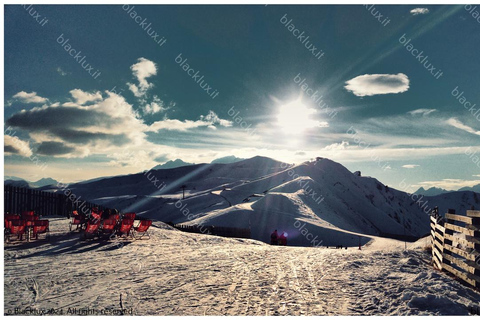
(274, 238)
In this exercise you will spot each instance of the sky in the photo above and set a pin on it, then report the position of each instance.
(388, 90)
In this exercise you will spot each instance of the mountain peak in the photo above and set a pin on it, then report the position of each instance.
(172, 164)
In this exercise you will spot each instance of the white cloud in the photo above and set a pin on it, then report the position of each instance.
(417, 11)
(82, 97)
(337, 146)
(457, 124)
(142, 70)
(31, 97)
(410, 166)
(476, 175)
(373, 84)
(156, 106)
(423, 112)
(176, 125)
(13, 145)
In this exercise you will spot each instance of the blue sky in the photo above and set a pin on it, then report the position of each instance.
(137, 86)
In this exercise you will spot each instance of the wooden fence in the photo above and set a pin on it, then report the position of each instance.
(43, 203)
(216, 231)
(456, 245)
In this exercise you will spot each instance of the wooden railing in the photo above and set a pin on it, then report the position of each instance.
(456, 245)
(216, 231)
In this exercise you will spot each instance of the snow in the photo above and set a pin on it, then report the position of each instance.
(176, 273)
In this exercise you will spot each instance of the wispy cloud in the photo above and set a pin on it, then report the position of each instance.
(142, 70)
(31, 97)
(374, 84)
(457, 124)
(210, 120)
(448, 184)
(14, 145)
(418, 11)
(423, 112)
(61, 72)
(410, 166)
(82, 97)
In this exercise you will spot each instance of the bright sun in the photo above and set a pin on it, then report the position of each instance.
(295, 118)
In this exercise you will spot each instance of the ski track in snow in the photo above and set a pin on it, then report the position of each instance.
(176, 273)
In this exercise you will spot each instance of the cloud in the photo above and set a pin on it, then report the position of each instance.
(176, 125)
(410, 166)
(417, 11)
(142, 70)
(31, 97)
(423, 112)
(156, 106)
(61, 72)
(82, 130)
(337, 146)
(53, 148)
(14, 145)
(457, 124)
(373, 84)
(81, 97)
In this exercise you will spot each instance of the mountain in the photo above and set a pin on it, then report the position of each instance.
(227, 159)
(43, 182)
(474, 188)
(318, 198)
(19, 182)
(172, 164)
(433, 191)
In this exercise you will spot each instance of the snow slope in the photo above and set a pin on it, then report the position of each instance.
(176, 273)
(332, 204)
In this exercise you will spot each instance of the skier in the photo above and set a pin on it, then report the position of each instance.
(282, 240)
(274, 238)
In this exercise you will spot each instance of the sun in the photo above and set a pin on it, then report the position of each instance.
(295, 118)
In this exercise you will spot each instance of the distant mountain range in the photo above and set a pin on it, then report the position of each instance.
(437, 191)
(319, 200)
(180, 163)
(19, 182)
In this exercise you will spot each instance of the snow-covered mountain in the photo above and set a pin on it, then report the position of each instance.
(313, 201)
(19, 182)
(227, 159)
(172, 164)
(432, 191)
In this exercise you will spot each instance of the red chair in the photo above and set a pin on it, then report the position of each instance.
(39, 227)
(108, 227)
(129, 216)
(77, 220)
(125, 227)
(91, 230)
(142, 229)
(8, 219)
(17, 228)
(115, 217)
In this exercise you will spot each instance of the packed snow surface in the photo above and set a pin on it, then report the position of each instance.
(176, 273)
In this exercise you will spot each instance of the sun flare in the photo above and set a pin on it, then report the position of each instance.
(296, 118)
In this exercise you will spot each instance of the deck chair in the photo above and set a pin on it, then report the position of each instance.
(17, 228)
(115, 217)
(142, 229)
(129, 216)
(77, 221)
(91, 230)
(108, 227)
(125, 227)
(8, 219)
(40, 227)
(26, 214)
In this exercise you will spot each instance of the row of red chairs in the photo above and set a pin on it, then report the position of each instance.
(114, 225)
(27, 224)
